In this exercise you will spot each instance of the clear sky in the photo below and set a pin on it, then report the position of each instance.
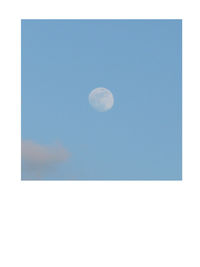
(139, 61)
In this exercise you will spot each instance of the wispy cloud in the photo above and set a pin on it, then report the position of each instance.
(38, 160)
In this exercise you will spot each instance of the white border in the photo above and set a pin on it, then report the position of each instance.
(98, 223)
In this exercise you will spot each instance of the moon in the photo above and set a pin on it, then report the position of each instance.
(101, 99)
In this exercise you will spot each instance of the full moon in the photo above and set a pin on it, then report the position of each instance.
(101, 99)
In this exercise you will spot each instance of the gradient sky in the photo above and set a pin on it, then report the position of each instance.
(139, 61)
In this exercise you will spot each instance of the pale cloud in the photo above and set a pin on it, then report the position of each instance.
(38, 160)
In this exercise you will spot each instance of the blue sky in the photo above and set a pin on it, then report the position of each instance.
(139, 61)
